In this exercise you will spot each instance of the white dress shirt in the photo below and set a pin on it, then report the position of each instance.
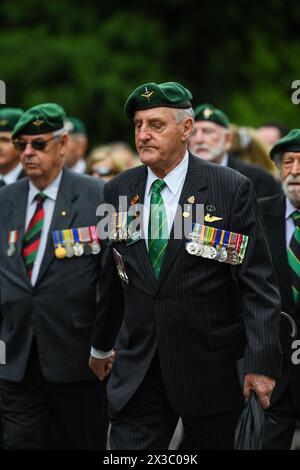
(289, 223)
(49, 205)
(224, 161)
(170, 194)
(12, 176)
(79, 166)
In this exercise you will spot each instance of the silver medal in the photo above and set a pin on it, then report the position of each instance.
(95, 248)
(213, 252)
(78, 249)
(192, 247)
(11, 250)
(206, 251)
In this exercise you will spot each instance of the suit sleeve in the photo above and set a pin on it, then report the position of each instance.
(258, 288)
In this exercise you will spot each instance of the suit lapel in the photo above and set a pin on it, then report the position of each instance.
(137, 188)
(63, 216)
(194, 185)
(16, 217)
(277, 241)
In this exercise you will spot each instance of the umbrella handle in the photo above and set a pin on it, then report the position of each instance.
(293, 324)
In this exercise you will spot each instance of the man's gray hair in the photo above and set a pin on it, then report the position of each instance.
(60, 132)
(181, 114)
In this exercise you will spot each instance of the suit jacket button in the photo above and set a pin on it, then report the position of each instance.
(156, 301)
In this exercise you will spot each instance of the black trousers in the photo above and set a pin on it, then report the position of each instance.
(40, 415)
(280, 423)
(148, 421)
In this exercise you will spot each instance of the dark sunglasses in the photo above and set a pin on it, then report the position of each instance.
(38, 144)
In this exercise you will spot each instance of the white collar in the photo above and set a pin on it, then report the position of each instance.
(173, 179)
(12, 175)
(290, 208)
(50, 191)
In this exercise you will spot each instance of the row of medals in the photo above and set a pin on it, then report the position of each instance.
(219, 253)
(78, 249)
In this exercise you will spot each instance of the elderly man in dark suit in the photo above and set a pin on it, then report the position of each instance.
(281, 216)
(211, 139)
(182, 329)
(50, 266)
(11, 169)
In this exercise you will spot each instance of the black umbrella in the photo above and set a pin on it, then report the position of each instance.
(250, 426)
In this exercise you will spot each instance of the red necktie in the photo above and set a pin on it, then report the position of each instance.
(32, 236)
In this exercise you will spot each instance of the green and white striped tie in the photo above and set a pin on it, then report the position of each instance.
(158, 227)
(294, 255)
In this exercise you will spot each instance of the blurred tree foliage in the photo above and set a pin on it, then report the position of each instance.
(88, 56)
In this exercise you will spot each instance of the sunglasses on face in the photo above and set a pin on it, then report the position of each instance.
(38, 144)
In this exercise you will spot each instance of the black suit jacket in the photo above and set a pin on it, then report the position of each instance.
(61, 308)
(264, 183)
(190, 315)
(273, 213)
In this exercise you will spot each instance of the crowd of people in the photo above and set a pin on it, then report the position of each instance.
(144, 327)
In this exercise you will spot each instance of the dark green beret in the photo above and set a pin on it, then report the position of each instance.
(74, 125)
(207, 112)
(9, 118)
(153, 95)
(40, 119)
(288, 143)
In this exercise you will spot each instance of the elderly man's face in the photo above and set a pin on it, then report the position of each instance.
(160, 141)
(209, 141)
(9, 156)
(42, 166)
(290, 176)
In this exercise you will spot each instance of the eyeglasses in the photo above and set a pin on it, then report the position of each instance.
(38, 144)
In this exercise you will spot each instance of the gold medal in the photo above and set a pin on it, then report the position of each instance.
(60, 252)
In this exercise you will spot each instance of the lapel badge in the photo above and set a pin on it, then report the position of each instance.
(210, 208)
(135, 200)
(191, 199)
(211, 218)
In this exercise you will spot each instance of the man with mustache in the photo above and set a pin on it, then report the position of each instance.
(211, 140)
(281, 219)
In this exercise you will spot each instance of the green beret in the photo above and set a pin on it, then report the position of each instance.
(40, 119)
(207, 112)
(288, 143)
(153, 95)
(9, 118)
(75, 126)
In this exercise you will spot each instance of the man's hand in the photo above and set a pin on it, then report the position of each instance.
(263, 387)
(102, 367)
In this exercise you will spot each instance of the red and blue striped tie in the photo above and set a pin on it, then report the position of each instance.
(32, 236)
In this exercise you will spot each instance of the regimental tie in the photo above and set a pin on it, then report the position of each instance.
(158, 227)
(32, 236)
(294, 256)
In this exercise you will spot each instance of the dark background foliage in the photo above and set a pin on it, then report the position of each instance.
(89, 55)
